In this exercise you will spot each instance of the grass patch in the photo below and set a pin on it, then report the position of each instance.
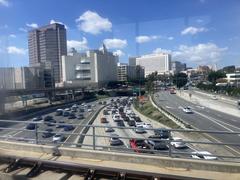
(102, 96)
(150, 111)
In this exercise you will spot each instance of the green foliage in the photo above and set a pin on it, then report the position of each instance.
(180, 80)
(214, 75)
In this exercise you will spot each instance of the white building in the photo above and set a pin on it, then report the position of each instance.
(94, 68)
(155, 62)
(25, 78)
(233, 78)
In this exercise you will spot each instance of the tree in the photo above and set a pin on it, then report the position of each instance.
(229, 69)
(180, 79)
(213, 76)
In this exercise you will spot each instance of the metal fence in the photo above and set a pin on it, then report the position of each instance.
(92, 139)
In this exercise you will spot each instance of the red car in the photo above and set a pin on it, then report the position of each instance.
(140, 146)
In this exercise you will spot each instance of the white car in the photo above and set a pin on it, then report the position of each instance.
(147, 125)
(187, 110)
(116, 117)
(179, 144)
(214, 97)
(58, 138)
(67, 109)
(203, 155)
(89, 110)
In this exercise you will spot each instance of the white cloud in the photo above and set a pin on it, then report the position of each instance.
(118, 53)
(22, 29)
(170, 38)
(115, 43)
(12, 36)
(144, 39)
(15, 50)
(53, 21)
(4, 3)
(78, 45)
(193, 30)
(32, 25)
(160, 50)
(91, 22)
(201, 53)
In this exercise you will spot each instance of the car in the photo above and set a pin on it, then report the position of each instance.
(61, 124)
(187, 110)
(75, 106)
(73, 110)
(58, 138)
(214, 97)
(157, 144)
(71, 116)
(120, 123)
(89, 110)
(139, 146)
(137, 119)
(38, 118)
(47, 118)
(66, 113)
(115, 141)
(109, 129)
(162, 133)
(51, 123)
(131, 123)
(80, 116)
(31, 126)
(104, 102)
(185, 88)
(203, 155)
(116, 117)
(67, 109)
(126, 118)
(147, 125)
(139, 129)
(59, 112)
(47, 134)
(105, 112)
(179, 144)
(81, 110)
(69, 127)
(103, 120)
(100, 103)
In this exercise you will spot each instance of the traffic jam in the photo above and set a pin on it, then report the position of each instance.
(127, 131)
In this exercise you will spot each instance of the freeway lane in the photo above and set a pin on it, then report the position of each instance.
(30, 135)
(203, 118)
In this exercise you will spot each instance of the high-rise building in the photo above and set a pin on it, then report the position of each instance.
(178, 67)
(48, 44)
(132, 61)
(95, 68)
(160, 63)
(130, 73)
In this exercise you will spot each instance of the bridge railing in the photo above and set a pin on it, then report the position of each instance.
(97, 139)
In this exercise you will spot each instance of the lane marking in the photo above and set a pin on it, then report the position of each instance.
(214, 120)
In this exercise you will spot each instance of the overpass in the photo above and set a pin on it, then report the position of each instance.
(20, 160)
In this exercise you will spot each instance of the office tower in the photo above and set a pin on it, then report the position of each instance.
(48, 44)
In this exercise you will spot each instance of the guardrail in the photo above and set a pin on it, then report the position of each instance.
(171, 116)
(127, 146)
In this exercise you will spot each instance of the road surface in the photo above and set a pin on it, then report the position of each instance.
(203, 118)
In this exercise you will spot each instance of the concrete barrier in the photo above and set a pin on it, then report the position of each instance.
(166, 162)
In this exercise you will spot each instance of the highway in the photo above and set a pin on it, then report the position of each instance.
(203, 118)
(29, 136)
(103, 143)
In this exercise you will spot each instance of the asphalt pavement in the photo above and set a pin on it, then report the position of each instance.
(202, 118)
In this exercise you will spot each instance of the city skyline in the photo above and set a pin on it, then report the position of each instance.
(192, 32)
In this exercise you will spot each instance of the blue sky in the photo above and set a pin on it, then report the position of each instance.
(198, 32)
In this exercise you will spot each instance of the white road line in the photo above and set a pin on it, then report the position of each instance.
(214, 120)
